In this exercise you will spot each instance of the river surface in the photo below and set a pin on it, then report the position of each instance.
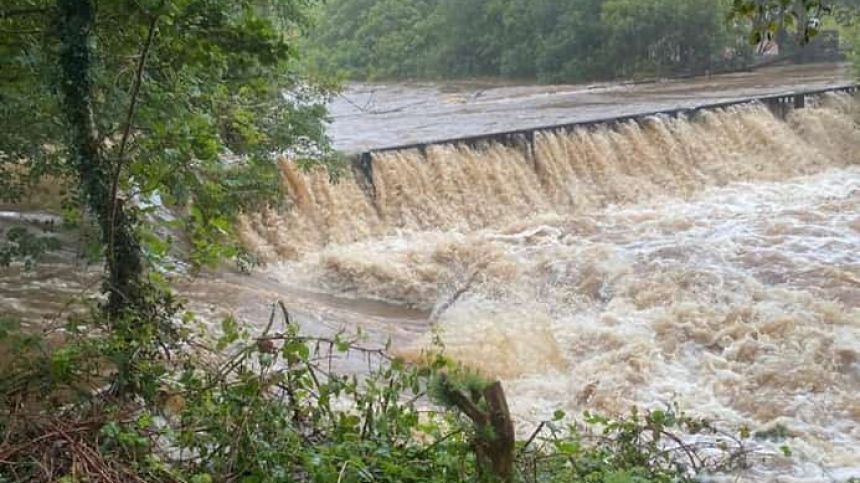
(711, 261)
(368, 116)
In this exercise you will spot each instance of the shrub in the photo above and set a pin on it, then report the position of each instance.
(279, 406)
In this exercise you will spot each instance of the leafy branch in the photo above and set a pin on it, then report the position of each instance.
(135, 92)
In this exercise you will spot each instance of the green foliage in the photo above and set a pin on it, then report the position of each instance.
(189, 102)
(659, 37)
(450, 377)
(802, 17)
(849, 31)
(294, 429)
(275, 407)
(164, 117)
(538, 39)
(646, 447)
(22, 245)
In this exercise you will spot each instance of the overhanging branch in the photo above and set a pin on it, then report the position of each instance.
(22, 12)
(132, 105)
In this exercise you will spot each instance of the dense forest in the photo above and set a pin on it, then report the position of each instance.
(546, 40)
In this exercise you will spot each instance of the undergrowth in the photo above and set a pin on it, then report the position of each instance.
(278, 406)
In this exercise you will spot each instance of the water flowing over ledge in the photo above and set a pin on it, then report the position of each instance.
(454, 187)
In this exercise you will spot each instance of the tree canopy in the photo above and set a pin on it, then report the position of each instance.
(534, 39)
(162, 120)
(803, 17)
(138, 106)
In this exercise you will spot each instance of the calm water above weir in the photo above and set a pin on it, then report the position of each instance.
(712, 261)
(369, 116)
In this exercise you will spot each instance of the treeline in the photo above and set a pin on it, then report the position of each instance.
(546, 40)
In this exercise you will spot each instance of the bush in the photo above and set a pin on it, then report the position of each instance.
(277, 408)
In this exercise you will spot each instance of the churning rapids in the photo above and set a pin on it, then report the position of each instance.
(713, 261)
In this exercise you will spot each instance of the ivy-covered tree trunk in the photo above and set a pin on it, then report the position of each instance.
(76, 22)
(494, 439)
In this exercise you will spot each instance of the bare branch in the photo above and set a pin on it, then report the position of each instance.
(22, 32)
(22, 12)
(132, 105)
(532, 437)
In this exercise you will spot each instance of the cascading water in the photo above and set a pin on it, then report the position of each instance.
(712, 261)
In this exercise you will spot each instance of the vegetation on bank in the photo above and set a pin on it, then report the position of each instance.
(160, 120)
(803, 20)
(551, 41)
(272, 406)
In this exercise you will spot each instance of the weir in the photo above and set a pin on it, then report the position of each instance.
(486, 181)
(779, 104)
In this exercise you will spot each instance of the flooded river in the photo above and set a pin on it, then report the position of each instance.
(712, 261)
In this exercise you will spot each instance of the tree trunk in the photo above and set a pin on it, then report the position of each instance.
(500, 448)
(76, 23)
(494, 441)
